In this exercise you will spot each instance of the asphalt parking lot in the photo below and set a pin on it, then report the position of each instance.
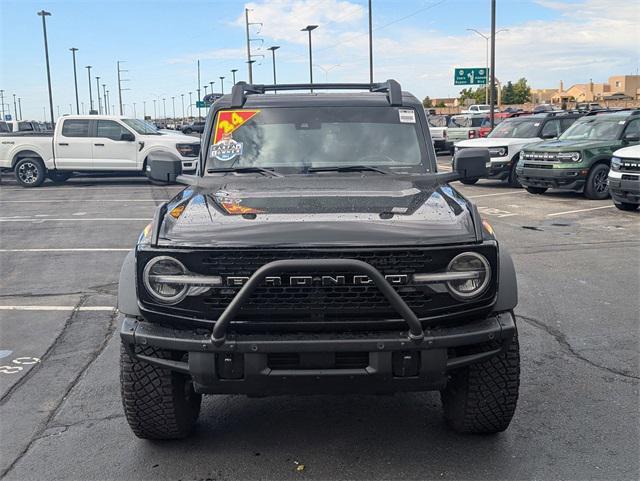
(61, 248)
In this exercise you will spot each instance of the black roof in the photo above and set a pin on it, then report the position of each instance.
(345, 95)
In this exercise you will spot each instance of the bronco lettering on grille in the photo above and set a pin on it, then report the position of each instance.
(327, 281)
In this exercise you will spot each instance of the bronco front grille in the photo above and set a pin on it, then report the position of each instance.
(321, 303)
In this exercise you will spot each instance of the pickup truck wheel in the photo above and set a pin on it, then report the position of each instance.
(597, 187)
(626, 206)
(469, 181)
(30, 172)
(482, 397)
(188, 131)
(158, 403)
(536, 190)
(58, 177)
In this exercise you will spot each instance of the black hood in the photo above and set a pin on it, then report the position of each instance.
(318, 210)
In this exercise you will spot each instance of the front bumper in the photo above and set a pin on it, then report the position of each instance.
(499, 169)
(625, 190)
(568, 179)
(305, 363)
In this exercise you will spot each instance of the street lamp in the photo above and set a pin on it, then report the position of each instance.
(15, 107)
(173, 101)
(222, 85)
(310, 28)
(233, 72)
(98, 93)
(44, 14)
(75, 78)
(211, 83)
(88, 67)
(273, 57)
(190, 102)
(107, 103)
(104, 98)
(164, 108)
(327, 70)
(20, 108)
(487, 38)
(182, 99)
(155, 115)
(205, 89)
(134, 110)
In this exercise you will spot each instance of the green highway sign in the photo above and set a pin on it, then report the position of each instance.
(201, 104)
(470, 76)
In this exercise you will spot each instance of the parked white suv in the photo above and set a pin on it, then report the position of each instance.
(477, 109)
(624, 178)
(91, 143)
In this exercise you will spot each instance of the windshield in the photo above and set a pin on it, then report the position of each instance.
(141, 126)
(594, 128)
(295, 140)
(523, 129)
(466, 121)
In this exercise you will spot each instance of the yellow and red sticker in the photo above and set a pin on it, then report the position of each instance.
(230, 120)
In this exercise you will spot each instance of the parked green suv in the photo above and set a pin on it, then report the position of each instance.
(579, 159)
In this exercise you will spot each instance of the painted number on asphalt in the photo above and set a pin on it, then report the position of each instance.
(495, 212)
(17, 365)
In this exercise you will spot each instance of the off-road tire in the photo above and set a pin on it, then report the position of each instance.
(30, 172)
(58, 177)
(188, 131)
(512, 180)
(536, 190)
(158, 403)
(469, 181)
(596, 187)
(482, 397)
(626, 206)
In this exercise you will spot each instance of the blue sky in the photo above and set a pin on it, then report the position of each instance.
(418, 42)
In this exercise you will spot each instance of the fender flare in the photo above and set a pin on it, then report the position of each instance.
(507, 283)
(127, 292)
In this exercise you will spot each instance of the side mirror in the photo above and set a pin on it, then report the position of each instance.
(548, 136)
(631, 137)
(163, 167)
(127, 137)
(471, 164)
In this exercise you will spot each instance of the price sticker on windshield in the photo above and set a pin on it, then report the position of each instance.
(231, 120)
(407, 116)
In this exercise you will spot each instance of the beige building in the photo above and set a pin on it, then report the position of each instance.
(618, 86)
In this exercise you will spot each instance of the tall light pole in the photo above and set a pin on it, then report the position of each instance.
(20, 108)
(233, 73)
(173, 101)
(199, 113)
(190, 102)
(327, 70)
(211, 83)
(164, 108)
(2, 102)
(15, 107)
(109, 103)
(310, 28)
(155, 115)
(44, 14)
(493, 64)
(82, 103)
(75, 78)
(98, 93)
(144, 109)
(486, 38)
(222, 85)
(88, 67)
(370, 45)
(273, 59)
(134, 110)
(182, 99)
(104, 98)
(205, 87)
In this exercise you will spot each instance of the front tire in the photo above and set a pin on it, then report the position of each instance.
(626, 206)
(469, 181)
(30, 172)
(158, 403)
(188, 131)
(597, 187)
(536, 190)
(512, 180)
(482, 397)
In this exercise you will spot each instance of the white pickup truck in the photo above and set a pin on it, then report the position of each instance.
(91, 143)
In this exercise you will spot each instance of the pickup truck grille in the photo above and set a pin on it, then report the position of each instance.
(321, 303)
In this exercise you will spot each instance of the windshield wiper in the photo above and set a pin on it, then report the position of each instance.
(245, 170)
(348, 168)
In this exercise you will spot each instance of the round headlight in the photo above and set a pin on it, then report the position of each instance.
(575, 156)
(159, 288)
(479, 273)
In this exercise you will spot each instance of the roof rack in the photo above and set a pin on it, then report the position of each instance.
(241, 89)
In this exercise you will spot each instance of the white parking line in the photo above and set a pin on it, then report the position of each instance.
(79, 249)
(580, 210)
(75, 219)
(57, 308)
(493, 195)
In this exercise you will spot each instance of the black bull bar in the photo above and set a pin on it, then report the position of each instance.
(218, 335)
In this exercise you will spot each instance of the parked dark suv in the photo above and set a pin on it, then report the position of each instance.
(317, 250)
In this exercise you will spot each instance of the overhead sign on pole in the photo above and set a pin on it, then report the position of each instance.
(200, 104)
(470, 76)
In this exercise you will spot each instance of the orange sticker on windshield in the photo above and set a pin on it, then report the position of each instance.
(230, 120)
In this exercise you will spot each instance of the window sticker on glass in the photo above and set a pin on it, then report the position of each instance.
(230, 120)
(227, 149)
(407, 116)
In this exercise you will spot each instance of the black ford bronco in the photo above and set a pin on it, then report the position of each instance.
(317, 250)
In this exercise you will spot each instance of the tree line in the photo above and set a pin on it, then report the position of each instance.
(512, 93)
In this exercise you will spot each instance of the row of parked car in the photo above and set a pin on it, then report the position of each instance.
(594, 152)
(9, 126)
